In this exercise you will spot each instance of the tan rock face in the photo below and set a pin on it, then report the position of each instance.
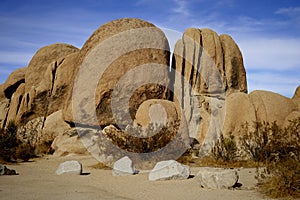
(124, 63)
(13, 81)
(15, 103)
(4, 107)
(271, 107)
(41, 60)
(258, 106)
(40, 80)
(235, 73)
(207, 67)
(157, 111)
(296, 97)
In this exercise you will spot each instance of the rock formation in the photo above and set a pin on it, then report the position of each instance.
(206, 68)
(120, 80)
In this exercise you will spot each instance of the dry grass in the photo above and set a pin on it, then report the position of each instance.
(101, 166)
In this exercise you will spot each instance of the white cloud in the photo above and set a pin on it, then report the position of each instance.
(15, 58)
(288, 10)
(270, 53)
(181, 8)
(284, 84)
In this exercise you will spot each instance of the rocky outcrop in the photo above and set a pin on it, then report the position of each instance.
(157, 111)
(15, 102)
(235, 73)
(131, 67)
(207, 67)
(258, 106)
(296, 97)
(12, 83)
(69, 142)
(169, 170)
(39, 81)
(217, 178)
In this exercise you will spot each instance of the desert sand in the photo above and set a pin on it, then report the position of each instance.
(37, 180)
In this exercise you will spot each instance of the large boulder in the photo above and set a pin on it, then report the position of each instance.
(271, 107)
(124, 167)
(12, 83)
(54, 125)
(4, 107)
(122, 64)
(217, 178)
(157, 111)
(206, 68)
(41, 60)
(39, 82)
(169, 170)
(235, 73)
(239, 110)
(69, 142)
(296, 97)
(15, 102)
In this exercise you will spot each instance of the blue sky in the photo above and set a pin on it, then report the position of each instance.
(267, 31)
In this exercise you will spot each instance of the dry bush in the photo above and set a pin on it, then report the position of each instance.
(280, 154)
(225, 149)
(135, 139)
(11, 148)
(9, 142)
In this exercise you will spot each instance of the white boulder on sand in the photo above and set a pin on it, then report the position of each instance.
(217, 178)
(69, 167)
(123, 167)
(169, 170)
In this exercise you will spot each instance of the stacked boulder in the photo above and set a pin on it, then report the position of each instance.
(121, 77)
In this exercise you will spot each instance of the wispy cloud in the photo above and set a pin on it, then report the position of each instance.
(20, 59)
(290, 10)
(181, 8)
(270, 53)
(272, 81)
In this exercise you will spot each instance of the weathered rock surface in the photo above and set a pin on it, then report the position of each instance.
(133, 59)
(69, 167)
(15, 102)
(258, 106)
(157, 111)
(5, 171)
(124, 167)
(42, 59)
(169, 170)
(54, 125)
(296, 97)
(235, 73)
(69, 142)
(12, 83)
(217, 178)
(271, 107)
(207, 67)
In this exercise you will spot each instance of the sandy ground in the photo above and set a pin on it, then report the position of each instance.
(37, 180)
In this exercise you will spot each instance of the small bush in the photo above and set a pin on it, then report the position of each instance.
(9, 142)
(25, 151)
(225, 149)
(280, 154)
(11, 148)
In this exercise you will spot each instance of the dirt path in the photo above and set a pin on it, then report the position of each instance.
(37, 180)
